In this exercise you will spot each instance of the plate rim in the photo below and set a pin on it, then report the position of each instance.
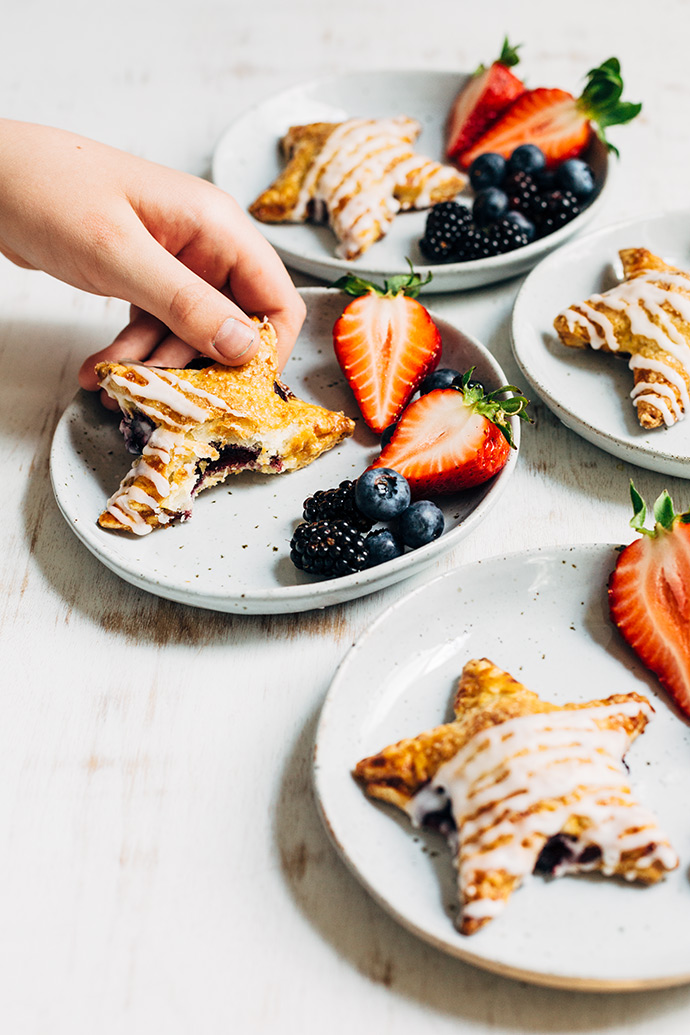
(674, 464)
(305, 596)
(330, 703)
(511, 264)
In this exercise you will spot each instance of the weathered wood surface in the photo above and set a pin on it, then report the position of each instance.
(162, 864)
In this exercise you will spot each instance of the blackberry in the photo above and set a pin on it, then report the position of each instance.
(336, 504)
(472, 246)
(328, 548)
(523, 223)
(446, 224)
(555, 209)
(523, 193)
(504, 236)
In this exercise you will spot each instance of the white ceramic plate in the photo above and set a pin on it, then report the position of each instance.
(541, 615)
(247, 160)
(590, 391)
(233, 555)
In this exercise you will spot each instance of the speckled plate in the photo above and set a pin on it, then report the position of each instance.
(590, 391)
(233, 555)
(541, 615)
(247, 159)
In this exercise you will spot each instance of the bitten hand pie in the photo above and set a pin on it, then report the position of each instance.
(192, 428)
(520, 785)
(355, 175)
(648, 317)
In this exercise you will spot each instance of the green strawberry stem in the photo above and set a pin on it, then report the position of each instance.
(600, 101)
(488, 404)
(405, 283)
(665, 516)
(508, 57)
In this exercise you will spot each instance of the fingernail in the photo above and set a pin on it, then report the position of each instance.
(234, 339)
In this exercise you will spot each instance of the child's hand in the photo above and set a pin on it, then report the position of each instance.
(179, 249)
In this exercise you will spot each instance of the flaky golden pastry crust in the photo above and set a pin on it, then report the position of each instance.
(354, 175)
(523, 777)
(192, 428)
(647, 317)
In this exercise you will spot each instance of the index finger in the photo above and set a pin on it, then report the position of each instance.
(257, 279)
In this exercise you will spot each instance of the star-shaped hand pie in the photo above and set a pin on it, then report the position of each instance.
(192, 428)
(355, 175)
(521, 785)
(647, 316)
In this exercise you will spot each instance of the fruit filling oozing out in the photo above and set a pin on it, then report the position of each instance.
(136, 429)
(561, 853)
(231, 458)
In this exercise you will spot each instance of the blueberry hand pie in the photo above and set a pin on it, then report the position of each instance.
(190, 429)
(520, 785)
(355, 176)
(646, 317)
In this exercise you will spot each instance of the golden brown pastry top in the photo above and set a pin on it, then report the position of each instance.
(521, 784)
(355, 175)
(204, 424)
(646, 317)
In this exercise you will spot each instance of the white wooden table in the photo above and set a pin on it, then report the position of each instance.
(162, 864)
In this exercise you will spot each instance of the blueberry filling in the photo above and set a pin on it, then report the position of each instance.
(199, 363)
(441, 819)
(231, 458)
(283, 391)
(560, 852)
(137, 430)
(317, 211)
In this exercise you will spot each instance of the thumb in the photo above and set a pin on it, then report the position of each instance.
(192, 309)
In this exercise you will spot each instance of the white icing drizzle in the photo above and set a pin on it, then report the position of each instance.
(166, 388)
(498, 780)
(356, 172)
(646, 301)
(161, 445)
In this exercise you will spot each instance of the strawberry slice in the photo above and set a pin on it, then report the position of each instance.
(649, 595)
(482, 100)
(558, 123)
(453, 438)
(386, 343)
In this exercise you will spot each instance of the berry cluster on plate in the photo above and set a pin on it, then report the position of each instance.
(454, 436)
(516, 201)
(523, 150)
(337, 537)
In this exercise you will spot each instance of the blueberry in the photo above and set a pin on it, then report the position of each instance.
(381, 493)
(420, 524)
(576, 176)
(489, 205)
(441, 378)
(387, 435)
(545, 180)
(382, 545)
(526, 158)
(522, 222)
(487, 170)
(457, 383)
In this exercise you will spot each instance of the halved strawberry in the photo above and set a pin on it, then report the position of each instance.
(558, 123)
(649, 595)
(453, 438)
(386, 343)
(482, 100)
